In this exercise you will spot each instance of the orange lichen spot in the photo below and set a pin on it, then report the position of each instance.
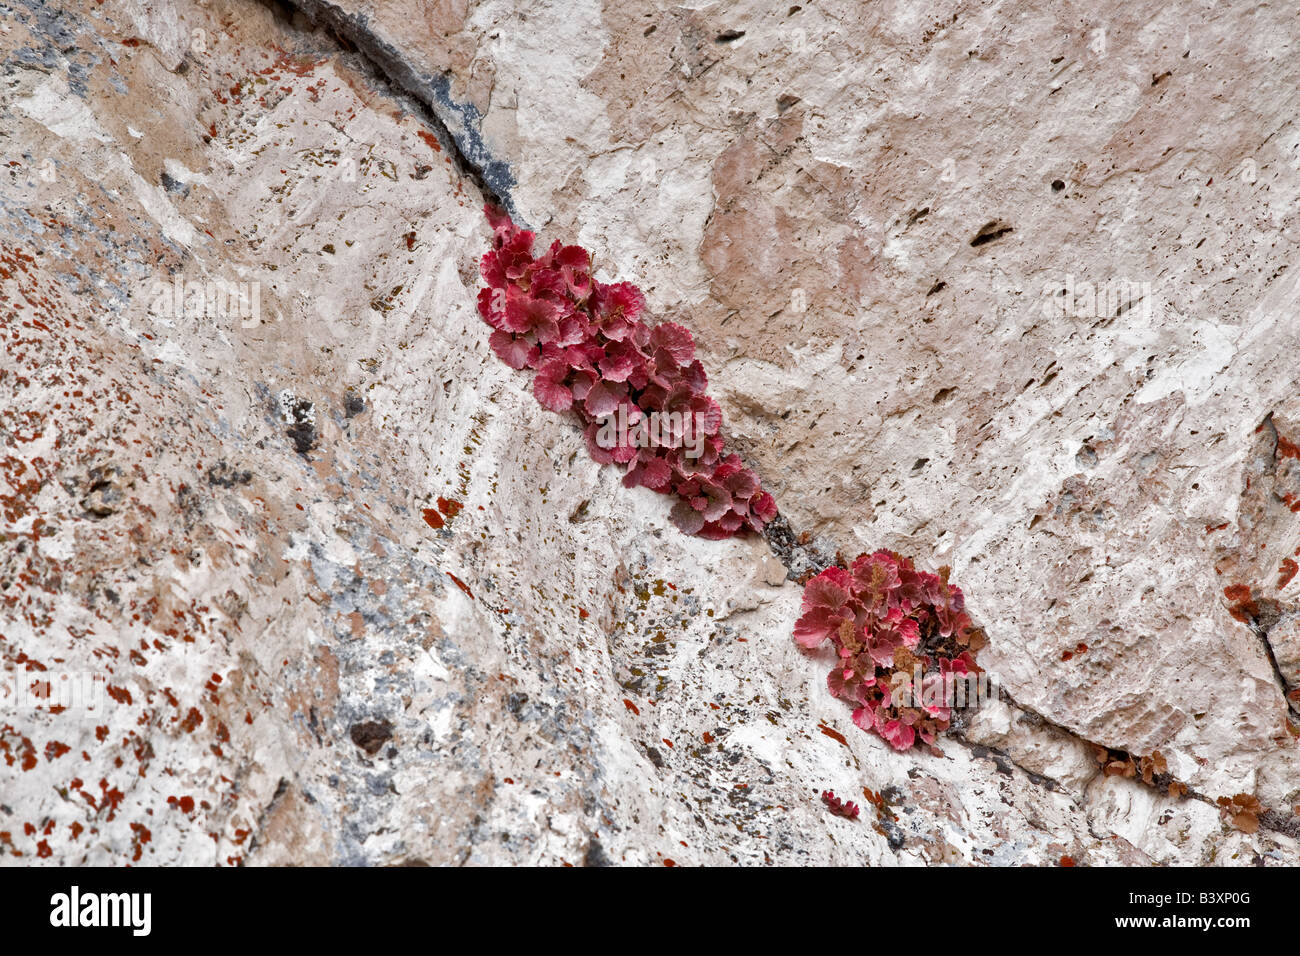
(1243, 608)
(832, 733)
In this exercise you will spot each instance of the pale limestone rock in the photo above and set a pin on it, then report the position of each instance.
(160, 22)
(218, 519)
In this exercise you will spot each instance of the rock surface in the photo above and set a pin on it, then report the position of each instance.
(316, 580)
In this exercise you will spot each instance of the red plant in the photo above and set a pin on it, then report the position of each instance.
(639, 390)
(901, 636)
(838, 807)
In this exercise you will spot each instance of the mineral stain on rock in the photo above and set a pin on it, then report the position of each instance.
(371, 735)
(224, 475)
(353, 405)
(299, 416)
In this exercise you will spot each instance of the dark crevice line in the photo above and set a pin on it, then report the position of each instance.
(1278, 821)
(1262, 624)
(1000, 756)
(280, 790)
(455, 124)
(1261, 632)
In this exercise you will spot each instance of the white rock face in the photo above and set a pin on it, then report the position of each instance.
(316, 580)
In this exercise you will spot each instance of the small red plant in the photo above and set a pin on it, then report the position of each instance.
(902, 638)
(835, 805)
(594, 355)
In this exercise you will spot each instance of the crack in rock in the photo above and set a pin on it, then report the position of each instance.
(457, 125)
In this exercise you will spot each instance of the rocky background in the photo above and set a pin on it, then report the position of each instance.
(1001, 286)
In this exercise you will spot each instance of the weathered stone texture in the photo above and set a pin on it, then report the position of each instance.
(886, 226)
